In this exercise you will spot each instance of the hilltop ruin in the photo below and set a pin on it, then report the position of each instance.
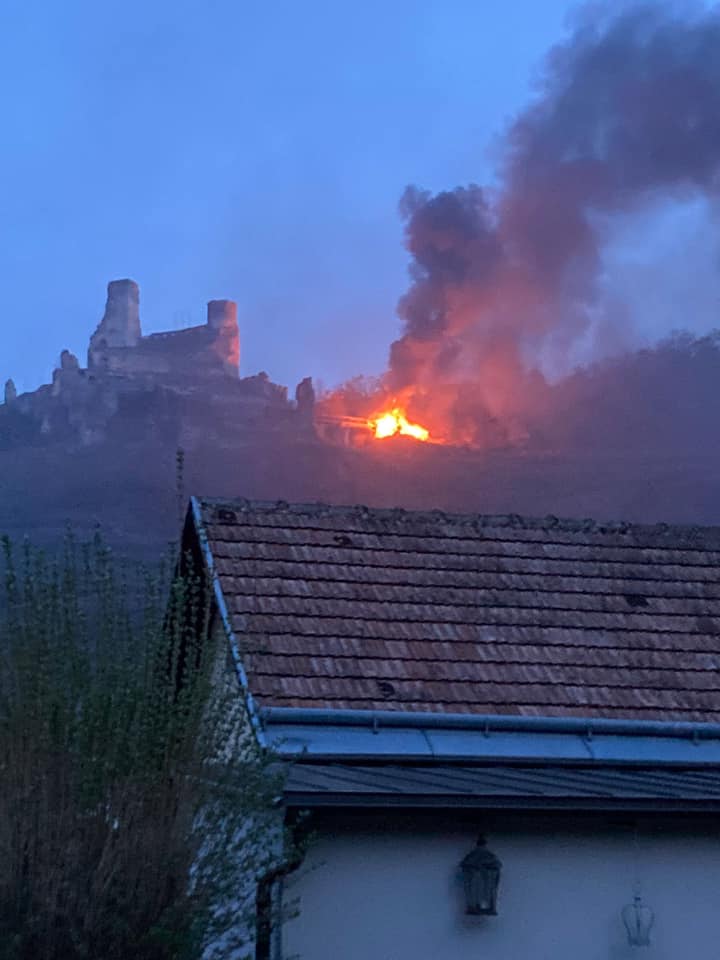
(175, 383)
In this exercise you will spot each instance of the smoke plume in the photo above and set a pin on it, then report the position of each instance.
(626, 116)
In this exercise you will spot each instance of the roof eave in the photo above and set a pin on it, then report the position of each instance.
(362, 801)
(253, 713)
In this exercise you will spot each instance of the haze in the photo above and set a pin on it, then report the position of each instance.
(249, 150)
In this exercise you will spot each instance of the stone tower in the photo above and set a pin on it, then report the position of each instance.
(305, 400)
(10, 392)
(222, 321)
(120, 325)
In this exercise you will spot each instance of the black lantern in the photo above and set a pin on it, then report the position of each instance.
(638, 919)
(481, 877)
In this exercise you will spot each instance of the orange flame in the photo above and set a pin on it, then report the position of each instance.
(394, 422)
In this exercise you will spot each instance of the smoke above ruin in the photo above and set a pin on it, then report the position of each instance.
(625, 118)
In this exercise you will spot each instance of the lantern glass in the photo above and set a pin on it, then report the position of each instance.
(481, 878)
(638, 919)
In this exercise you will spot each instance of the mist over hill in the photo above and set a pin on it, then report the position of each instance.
(634, 438)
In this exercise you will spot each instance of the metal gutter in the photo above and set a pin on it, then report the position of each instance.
(488, 723)
(227, 624)
(382, 736)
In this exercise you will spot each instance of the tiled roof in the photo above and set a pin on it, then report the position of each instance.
(353, 607)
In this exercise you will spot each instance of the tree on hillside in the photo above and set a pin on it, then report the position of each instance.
(136, 811)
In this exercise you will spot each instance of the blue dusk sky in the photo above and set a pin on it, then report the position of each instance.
(256, 151)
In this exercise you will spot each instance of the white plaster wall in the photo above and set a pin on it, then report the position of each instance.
(394, 894)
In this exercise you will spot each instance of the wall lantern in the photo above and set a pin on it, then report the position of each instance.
(638, 919)
(481, 877)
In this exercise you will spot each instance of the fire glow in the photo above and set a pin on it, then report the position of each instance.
(394, 423)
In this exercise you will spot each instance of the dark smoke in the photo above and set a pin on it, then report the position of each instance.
(627, 116)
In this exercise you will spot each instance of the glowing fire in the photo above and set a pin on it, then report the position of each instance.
(394, 422)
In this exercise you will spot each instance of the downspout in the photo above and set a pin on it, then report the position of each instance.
(264, 894)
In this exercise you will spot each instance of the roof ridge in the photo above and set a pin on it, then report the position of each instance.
(692, 532)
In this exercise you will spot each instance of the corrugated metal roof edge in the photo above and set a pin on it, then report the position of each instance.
(258, 729)
(307, 800)
(526, 787)
(383, 736)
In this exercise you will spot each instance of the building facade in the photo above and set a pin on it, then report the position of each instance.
(506, 731)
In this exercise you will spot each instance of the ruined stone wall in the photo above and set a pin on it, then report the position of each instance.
(181, 355)
(120, 324)
(187, 376)
(117, 346)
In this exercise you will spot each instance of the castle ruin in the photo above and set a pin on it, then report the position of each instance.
(118, 347)
(176, 382)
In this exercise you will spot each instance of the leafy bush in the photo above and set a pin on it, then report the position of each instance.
(135, 808)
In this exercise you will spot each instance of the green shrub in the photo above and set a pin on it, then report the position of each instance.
(135, 807)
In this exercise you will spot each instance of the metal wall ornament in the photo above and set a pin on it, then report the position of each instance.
(481, 878)
(638, 919)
